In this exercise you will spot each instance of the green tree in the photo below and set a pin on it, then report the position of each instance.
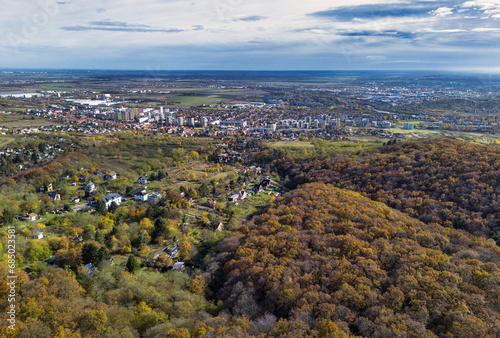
(160, 228)
(99, 237)
(90, 254)
(133, 264)
(88, 232)
(100, 207)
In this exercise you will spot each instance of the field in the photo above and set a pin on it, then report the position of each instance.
(5, 141)
(21, 121)
(297, 144)
(186, 101)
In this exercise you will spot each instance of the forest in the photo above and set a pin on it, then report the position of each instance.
(449, 182)
(390, 241)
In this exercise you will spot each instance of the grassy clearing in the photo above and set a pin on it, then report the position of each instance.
(298, 144)
(415, 131)
(188, 101)
(251, 205)
(5, 141)
(16, 121)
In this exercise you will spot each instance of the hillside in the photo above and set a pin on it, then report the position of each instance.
(453, 183)
(328, 261)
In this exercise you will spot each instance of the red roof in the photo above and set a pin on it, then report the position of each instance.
(32, 214)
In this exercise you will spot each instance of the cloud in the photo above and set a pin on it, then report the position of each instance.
(117, 26)
(251, 18)
(390, 34)
(107, 23)
(376, 11)
(198, 28)
(442, 12)
(490, 9)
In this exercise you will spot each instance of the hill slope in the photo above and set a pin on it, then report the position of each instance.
(326, 260)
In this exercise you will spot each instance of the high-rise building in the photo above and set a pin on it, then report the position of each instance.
(204, 121)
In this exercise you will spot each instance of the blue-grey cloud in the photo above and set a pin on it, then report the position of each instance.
(198, 28)
(391, 34)
(376, 11)
(251, 18)
(107, 23)
(117, 26)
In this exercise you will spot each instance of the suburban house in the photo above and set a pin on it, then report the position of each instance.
(89, 269)
(142, 180)
(265, 182)
(178, 266)
(46, 188)
(154, 198)
(76, 200)
(30, 217)
(141, 196)
(38, 235)
(55, 196)
(239, 196)
(89, 187)
(110, 176)
(172, 250)
(77, 239)
(109, 199)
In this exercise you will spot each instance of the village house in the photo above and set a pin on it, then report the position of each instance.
(142, 180)
(38, 235)
(110, 176)
(112, 198)
(172, 250)
(239, 196)
(55, 196)
(46, 188)
(30, 217)
(154, 198)
(178, 266)
(90, 187)
(141, 196)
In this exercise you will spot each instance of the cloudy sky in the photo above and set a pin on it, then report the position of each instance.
(253, 35)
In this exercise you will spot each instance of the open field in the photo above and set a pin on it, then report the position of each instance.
(5, 141)
(186, 101)
(415, 131)
(19, 121)
(298, 144)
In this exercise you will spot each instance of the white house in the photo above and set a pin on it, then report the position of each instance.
(141, 196)
(30, 217)
(89, 187)
(239, 196)
(109, 199)
(110, 176)
(154, 198)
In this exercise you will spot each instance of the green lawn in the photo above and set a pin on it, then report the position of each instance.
(183, 101)
(408, 131)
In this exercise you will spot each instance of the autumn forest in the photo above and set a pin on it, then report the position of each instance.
(396, 240)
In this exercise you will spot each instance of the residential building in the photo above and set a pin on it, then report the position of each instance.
(109, 199)
(142, 180)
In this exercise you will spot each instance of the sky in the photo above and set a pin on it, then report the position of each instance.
(155, 35)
